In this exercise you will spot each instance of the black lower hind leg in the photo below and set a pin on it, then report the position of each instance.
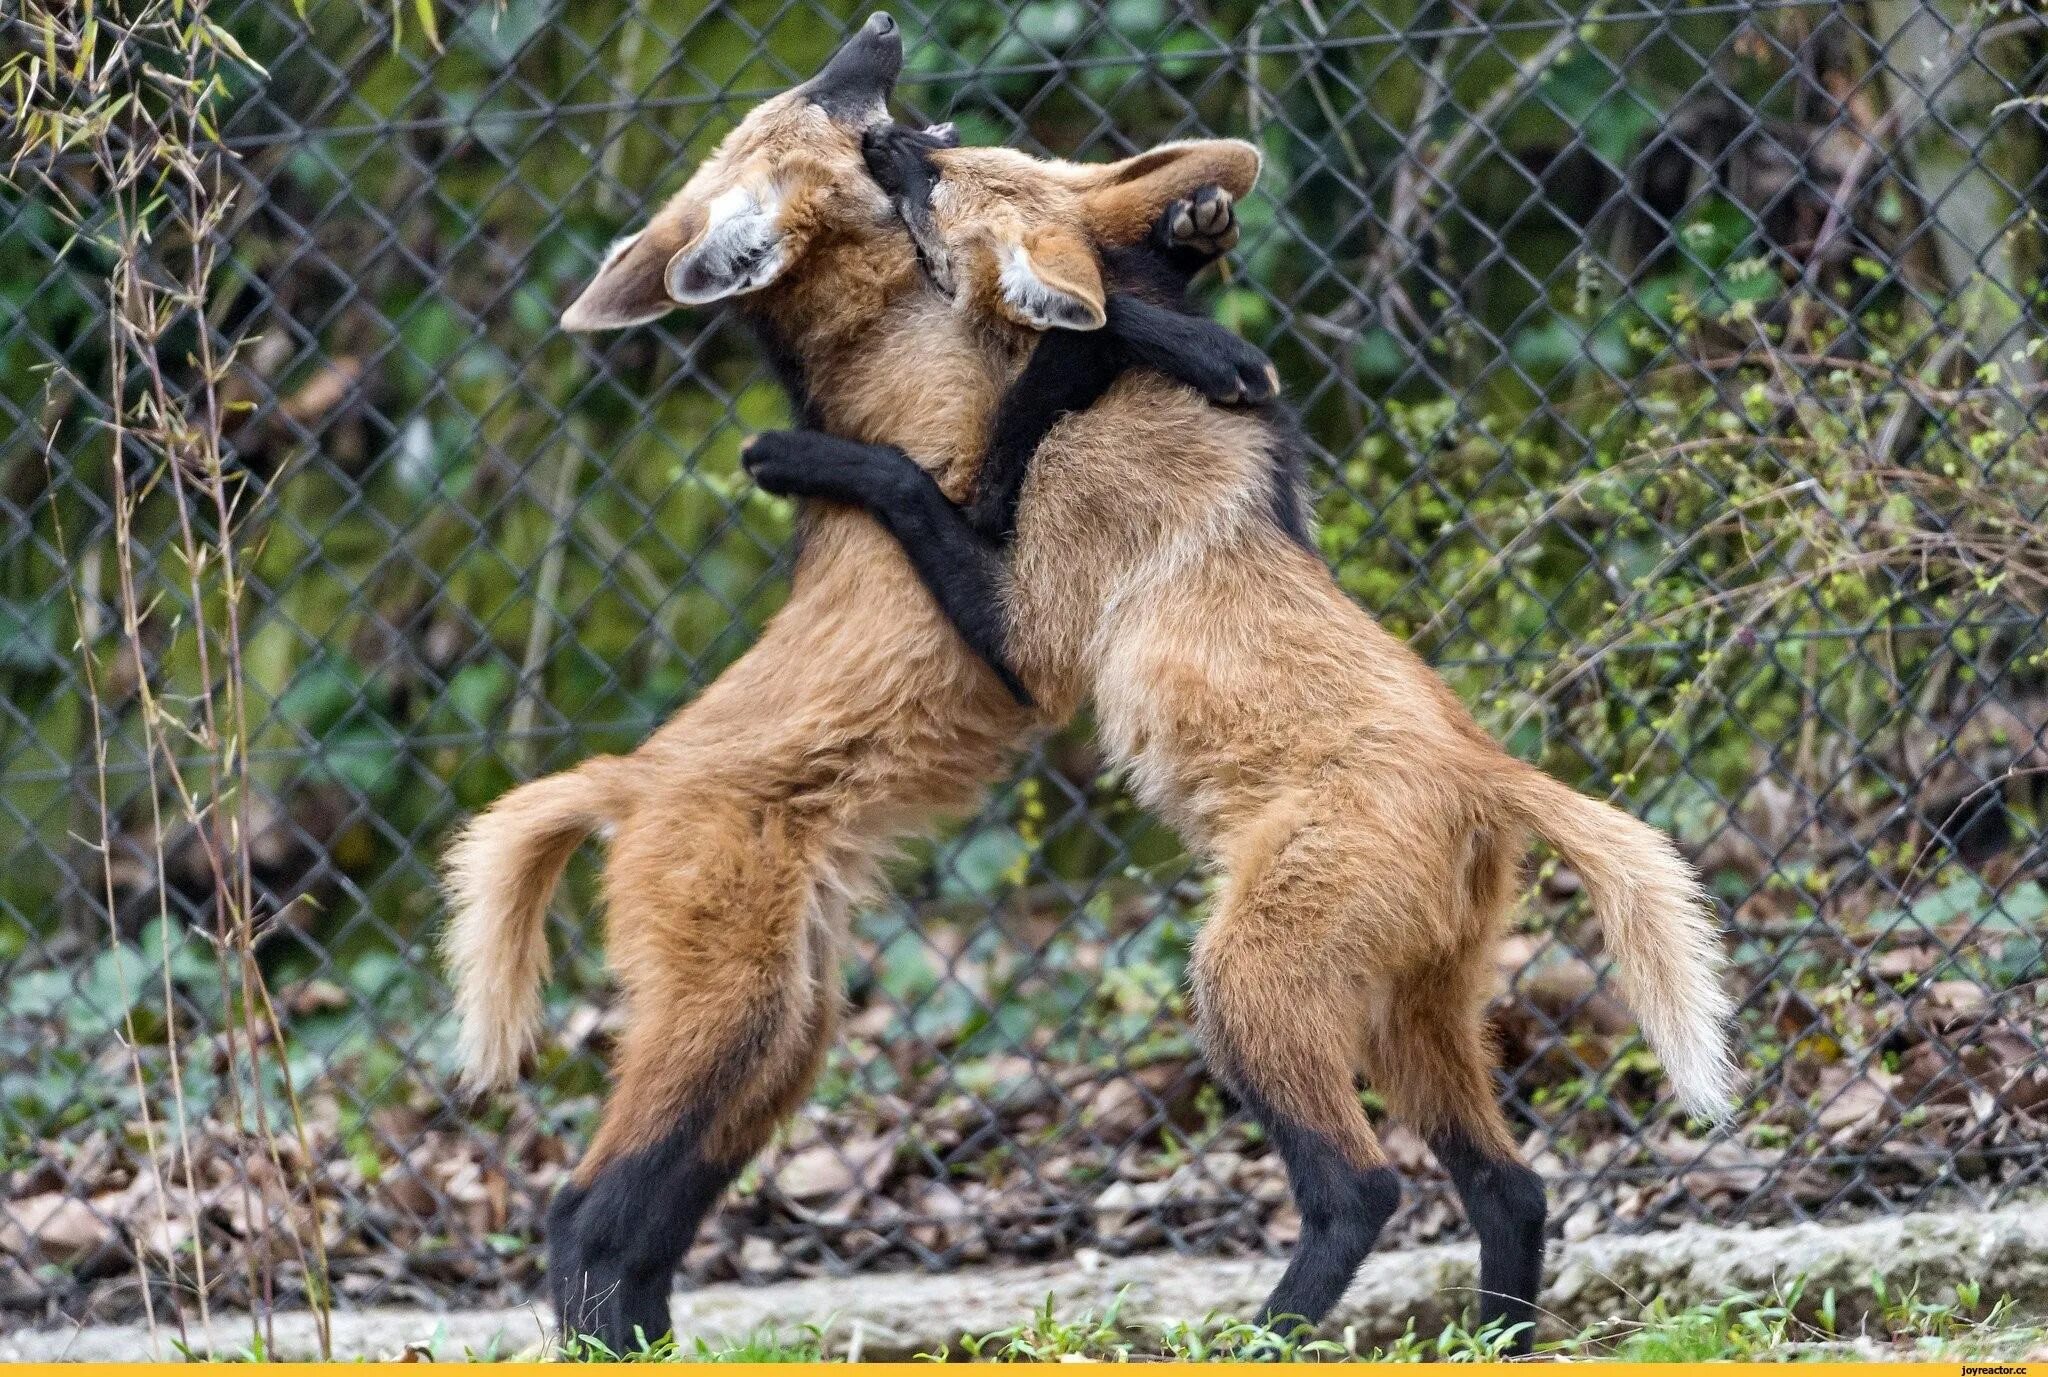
(1431, 1055)
(700, 1084)
(1504, 1201)
(1343, 1208)
(614, 1242)
(1266, 1018)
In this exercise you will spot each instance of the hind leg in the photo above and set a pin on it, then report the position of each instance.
(1279, 1016)
(615, 1241)
(618, 1231)
(1431, 1057)
(731, 1011)
(1265, 1036)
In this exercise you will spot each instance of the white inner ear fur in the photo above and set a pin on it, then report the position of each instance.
(1038, 305)
(741, 249)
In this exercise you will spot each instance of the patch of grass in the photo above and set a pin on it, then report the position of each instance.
(762, 1346)
(1791, 1326)
(1795, 1326)
(1048, 1337)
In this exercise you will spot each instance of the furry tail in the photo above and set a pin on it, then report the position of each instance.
(1657, 924)
(499, 873)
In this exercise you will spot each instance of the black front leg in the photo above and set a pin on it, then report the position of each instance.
(1068, 373)
(1193, 350)
(1148, 315)
(1070, 370)
(960, 568)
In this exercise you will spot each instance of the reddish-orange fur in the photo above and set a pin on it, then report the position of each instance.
(1365, 830)
(1361, 819)
(744, 829)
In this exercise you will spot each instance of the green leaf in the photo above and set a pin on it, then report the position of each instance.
(425, 10)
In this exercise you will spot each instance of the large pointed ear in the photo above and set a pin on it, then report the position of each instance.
(629, 288)
(743, 248)
(1123, 200)
(1050, 280)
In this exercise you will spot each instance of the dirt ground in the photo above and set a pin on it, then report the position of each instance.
(1869, 1267)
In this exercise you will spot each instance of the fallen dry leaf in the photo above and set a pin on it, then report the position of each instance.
(55, 1228)
(1856, 1104)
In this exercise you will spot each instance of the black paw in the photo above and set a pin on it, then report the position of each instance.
(1205, 222)
(1234, 373)
(810, 463)
(899, 156)
(779, 461)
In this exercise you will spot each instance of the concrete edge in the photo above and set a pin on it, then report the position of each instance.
(898, 1315)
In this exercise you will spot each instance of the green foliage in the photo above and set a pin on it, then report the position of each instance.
(764, 1346)
(1789, 1327)
(1792, 1326)
(1796, 1325)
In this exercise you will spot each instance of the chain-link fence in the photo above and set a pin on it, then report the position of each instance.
(1671, 376)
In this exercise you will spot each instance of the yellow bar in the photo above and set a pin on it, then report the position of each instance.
(1969, 1369)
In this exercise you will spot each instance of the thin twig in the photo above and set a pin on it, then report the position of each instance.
(133, 105)
(547, 588)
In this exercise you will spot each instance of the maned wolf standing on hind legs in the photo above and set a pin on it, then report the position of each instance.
(689, 968)
(1365, 829)
(742, 830)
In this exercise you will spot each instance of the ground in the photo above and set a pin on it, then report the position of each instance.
(1928, 1286)
(1791, 1327)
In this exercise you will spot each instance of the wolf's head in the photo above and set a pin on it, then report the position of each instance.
(1015, 236)
(789, 173)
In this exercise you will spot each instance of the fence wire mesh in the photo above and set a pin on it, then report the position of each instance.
(1672, 376)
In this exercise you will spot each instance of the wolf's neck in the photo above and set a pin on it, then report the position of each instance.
(834, 302)
(869, 352)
